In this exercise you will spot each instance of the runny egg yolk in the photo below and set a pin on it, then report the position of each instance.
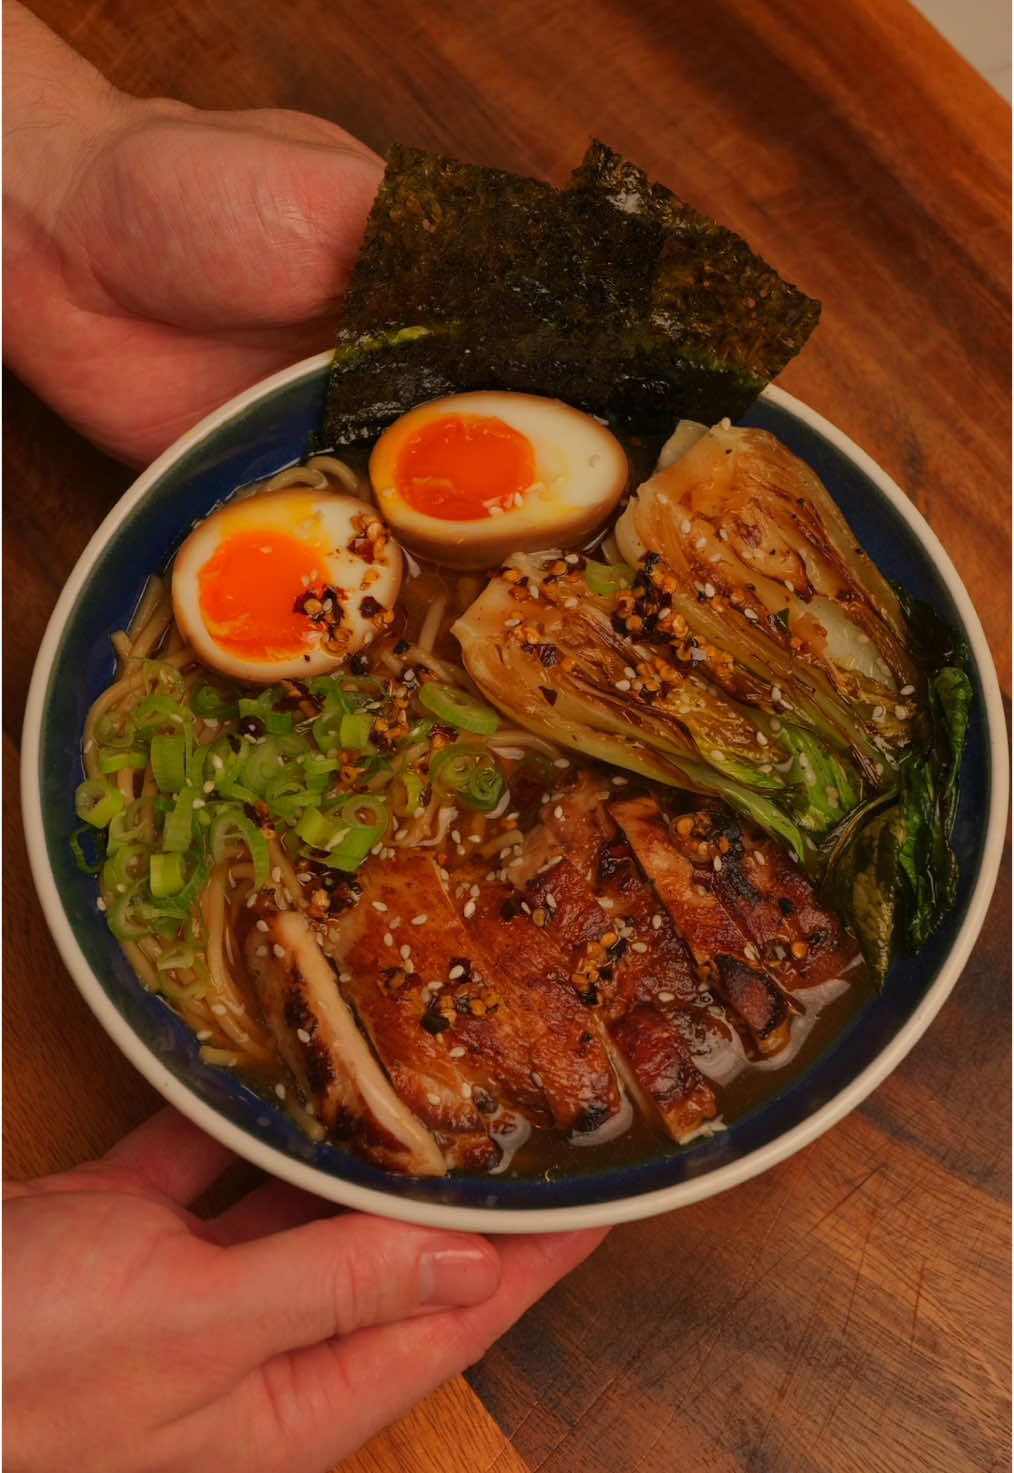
(249, 592)
(460, 466)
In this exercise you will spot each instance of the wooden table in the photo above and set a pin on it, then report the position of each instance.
(848, 1309)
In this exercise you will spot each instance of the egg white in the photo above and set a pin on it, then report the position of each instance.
(327, 523)
(580, 473)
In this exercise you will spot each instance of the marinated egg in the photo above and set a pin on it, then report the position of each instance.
(468, 479)
(287, 583)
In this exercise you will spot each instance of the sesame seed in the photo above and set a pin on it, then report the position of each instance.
(100, 904)
(716, 863)
(901, 712)
(204, 1034)
(469, 910)
(433, 1099)
(219, 1008)
(458, 1052)
(666, 996)
(419, 920)
(907, 690)
(388, 939)
(657, 921)
(280, 1091)
(623, 685)
(405, 952)
(640, 947)
(278, 950)
(302, 1035)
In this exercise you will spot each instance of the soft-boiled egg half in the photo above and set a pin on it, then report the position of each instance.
(285, 583)
(468, 479)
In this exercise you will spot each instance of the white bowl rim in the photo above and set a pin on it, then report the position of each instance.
(498, 1219)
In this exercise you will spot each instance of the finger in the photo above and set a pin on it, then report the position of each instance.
(172, 1155)
(336, 1276)
(317, 1405)
(272, 1208)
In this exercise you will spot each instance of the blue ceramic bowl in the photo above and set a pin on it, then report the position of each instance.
(263, 430)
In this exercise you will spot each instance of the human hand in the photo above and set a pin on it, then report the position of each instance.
(158, 259)
(275, 1338)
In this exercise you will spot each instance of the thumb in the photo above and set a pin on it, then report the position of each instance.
(340, 1274)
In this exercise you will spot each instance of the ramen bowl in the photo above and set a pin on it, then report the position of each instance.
(254, 435)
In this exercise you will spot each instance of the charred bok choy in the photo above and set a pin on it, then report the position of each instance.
(745, 646)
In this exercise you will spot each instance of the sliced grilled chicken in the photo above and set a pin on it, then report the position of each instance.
(528, 1000)
(801, 942)
(723, 953)
(397, 949)
(329, 1057)
(625, 957)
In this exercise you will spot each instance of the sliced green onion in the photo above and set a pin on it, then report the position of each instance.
(124, 868)
(163, 678)
(212, 702)
(354, 732)
(166, 875)
(470, 773)
(111, 760)
(233, 827)
(115, 728)
(96, 801)
(169, 761)
(320, 830)
(608, 578)
(366, 819)
(160, 713)
(275, 722)
(405, 794)
(127, 916)
(457, 707)
(223, 762)
(96, 842)
(318, 767)
(133, 824)
(327, 729)
(178, 829)
(327, 689)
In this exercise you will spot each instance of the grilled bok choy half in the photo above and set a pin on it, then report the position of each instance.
(747, 648)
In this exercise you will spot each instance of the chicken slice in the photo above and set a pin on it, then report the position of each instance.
(403, 906)
(526, 986)
(720, 948)
(632, 965)
(799, 940)
(318, 1038)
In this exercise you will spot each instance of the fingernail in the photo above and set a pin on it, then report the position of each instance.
(456, 1276)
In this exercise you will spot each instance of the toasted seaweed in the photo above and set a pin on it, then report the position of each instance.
(609, 293)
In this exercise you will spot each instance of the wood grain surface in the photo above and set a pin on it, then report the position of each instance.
(850, 1308)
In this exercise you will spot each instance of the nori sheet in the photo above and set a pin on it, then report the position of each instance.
(610, 293)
